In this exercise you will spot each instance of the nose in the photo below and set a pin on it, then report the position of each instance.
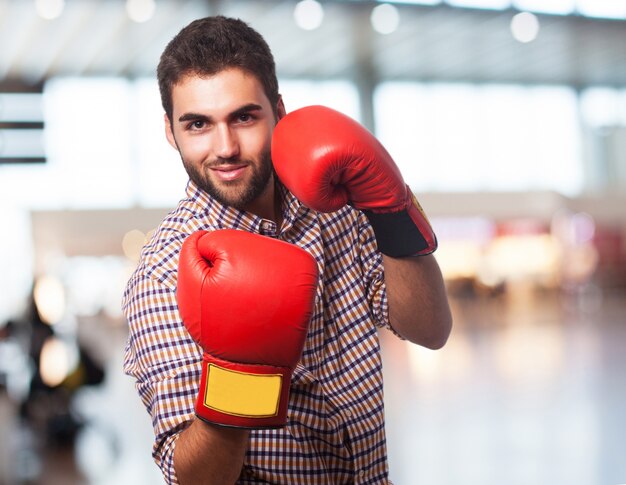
(226, 143)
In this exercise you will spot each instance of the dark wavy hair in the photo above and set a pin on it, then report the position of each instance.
(209, 45)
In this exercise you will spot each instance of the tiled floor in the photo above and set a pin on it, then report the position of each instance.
(530, 389)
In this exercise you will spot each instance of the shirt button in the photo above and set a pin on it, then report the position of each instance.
(267, 227)
(361, 473)
(348, 413)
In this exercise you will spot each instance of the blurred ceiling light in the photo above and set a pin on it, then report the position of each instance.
(133, 243)
(140, 10)
(49, 9)
(308, 14)
(49, 298)
(54, 361)
(525, 27)
(385, 18)
(615, 9)
(560, 7)
(487, 4)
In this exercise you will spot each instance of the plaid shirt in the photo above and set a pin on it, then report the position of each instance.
(335, 433)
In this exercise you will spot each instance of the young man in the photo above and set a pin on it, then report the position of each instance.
(357, 223)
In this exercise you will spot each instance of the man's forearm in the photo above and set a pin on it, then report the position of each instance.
(206, 454)
(418, 304)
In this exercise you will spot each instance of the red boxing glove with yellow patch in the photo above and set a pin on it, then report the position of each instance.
(328, 160)
(247, 300)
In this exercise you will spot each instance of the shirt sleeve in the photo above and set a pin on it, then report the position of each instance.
(165, 362)
(372, 267)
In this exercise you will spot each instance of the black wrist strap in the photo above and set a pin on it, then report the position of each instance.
(397, 235)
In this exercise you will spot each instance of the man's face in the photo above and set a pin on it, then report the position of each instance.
(222, 127)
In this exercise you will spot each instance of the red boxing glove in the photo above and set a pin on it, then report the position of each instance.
(328, 160)
(247, 300)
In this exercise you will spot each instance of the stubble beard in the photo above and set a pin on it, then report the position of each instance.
(237, 194)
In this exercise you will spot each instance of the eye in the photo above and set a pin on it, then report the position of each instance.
(244, 117)
(197, 125)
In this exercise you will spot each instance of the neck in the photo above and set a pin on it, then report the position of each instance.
(268, 204)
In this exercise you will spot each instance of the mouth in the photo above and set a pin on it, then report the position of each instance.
(228, 172)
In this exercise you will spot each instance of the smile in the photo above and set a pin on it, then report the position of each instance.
(228, 173)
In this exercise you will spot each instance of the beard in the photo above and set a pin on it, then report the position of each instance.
(236, 194)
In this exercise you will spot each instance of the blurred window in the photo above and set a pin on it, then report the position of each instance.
(602, 8)
(614, 9)
(603, 118)
(86, 141)
(463, 137)
(159, 178)
(602, 107)
(563, 7)
(340, 95)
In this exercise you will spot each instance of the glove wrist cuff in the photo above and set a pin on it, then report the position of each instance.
(243, 395)
(403, 233)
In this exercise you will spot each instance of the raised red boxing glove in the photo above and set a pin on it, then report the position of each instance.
(247, 300)
(328, 160)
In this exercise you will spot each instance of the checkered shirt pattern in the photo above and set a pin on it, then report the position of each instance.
(335, 432)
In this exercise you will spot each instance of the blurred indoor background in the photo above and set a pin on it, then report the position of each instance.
(508, 120)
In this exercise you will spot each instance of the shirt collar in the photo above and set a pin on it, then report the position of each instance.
(225, 216)
(292, 208)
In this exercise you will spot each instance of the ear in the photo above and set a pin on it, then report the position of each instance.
(280, 108)
(169, 134)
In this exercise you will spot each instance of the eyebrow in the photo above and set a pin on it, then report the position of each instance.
(239, 111)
